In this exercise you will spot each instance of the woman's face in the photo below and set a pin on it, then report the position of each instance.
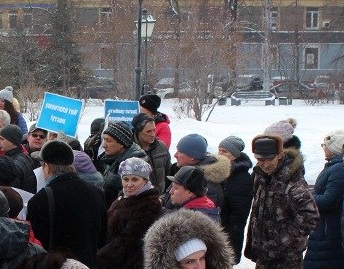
(194, 261)
(328, 154)
(132, 184)
(2, 103)
(226, 153)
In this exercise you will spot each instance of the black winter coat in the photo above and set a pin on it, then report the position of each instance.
(26, 179)
(128, 220)
(79, 217)
(325, 243)
(238, 194)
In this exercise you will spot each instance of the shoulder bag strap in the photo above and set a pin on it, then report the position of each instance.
(50, 195)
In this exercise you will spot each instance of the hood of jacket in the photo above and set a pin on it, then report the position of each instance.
(161, 117)
(167, 233)
(217, 168)
(14, 237)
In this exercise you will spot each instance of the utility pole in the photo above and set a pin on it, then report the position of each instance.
(266, 45)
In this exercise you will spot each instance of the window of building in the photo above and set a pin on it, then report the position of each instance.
(106, 58)
(105, 16)
(13, 19)
(274, 18)
(27, 20)
(311, 59)
(312, 18)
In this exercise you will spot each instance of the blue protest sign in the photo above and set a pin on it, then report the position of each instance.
(117, 110)
(60, 113)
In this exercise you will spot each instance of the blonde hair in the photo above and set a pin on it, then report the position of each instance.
(16, 104)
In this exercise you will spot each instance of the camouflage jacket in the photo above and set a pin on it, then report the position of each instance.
(283, 212)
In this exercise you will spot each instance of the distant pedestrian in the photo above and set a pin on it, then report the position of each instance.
(283, 211)
(237, 191)
(6, 103)
(180, 240)
(325, 243)
(149, 105)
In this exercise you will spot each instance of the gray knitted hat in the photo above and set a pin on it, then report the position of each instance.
(233, 144)
(12, 133)
(7, 94)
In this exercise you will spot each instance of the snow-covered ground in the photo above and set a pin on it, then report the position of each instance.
(247, 121)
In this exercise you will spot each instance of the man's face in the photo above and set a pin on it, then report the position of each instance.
(179, 194)
(111, 146)
(36, 140)
(183, 159)
(6, 145)
(269, 165)
(147, 135)
(146, 111)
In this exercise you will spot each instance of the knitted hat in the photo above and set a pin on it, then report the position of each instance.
(267, 146)
(8, 171)
(140, 120)
(135, 166)
(56, 152)
(233, 144)
(14, 199)
(191, 178)
(188, 248)
(4, 206)
(7, 94)
(34, 128)
(193, 145)
(150, 102)
(120, 131)
(12, 133)
(83, 163)
(97, 125)
(334, 141)
(284, 128)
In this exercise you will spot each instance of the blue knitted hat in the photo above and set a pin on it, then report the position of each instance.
(193, 145)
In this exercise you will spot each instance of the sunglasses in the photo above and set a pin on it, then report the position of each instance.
(38, 135)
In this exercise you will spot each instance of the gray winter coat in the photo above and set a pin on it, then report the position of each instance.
(167, 233)
(14, 243)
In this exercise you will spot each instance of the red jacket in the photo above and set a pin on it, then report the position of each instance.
(163, 131)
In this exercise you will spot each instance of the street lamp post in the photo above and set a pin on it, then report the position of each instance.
(145, 25)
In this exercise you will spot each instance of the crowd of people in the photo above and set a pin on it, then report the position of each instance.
(117, 201)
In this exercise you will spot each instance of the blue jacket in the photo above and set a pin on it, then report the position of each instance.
(325, 243)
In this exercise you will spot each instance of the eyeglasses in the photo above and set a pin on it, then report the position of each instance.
(38, 135)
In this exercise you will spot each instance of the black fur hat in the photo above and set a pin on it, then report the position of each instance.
(56, 152)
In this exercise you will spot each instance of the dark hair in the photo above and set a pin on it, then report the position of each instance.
(13, 113)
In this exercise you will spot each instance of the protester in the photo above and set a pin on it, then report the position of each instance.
(325, 243)
(130, 216)
(118, 146)
(86, 170)
(192, 150)
(237, 191)
(6, 103)
(189, 188)
(159, 156)
(283, 211)
(8, 171)
(149, 105)
(79, 219)
(5, 118)
(10, 142)
(182, 232)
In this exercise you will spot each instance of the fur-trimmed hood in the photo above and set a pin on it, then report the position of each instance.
(217, 168)
(167, 233)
